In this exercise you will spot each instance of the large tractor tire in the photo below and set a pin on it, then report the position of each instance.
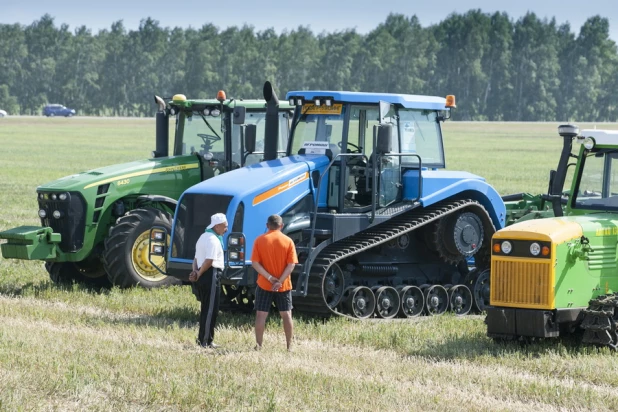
(89, 273)
(126, 250)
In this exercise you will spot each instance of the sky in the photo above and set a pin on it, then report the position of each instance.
(319, 15)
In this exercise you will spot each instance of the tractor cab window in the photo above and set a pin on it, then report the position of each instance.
(202, 135)
(259, 120)
(598, 182)
(319, 124)
(420, 133)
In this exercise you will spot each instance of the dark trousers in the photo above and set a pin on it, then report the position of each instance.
(208, 293)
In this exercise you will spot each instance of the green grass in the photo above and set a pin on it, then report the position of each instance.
(69, 348)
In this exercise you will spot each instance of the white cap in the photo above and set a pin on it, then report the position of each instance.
(216, 219)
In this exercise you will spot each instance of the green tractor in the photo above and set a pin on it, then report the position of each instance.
(95, 224)
(559, 275)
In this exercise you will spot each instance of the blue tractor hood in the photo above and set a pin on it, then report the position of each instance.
(254, 179)
(263, 189)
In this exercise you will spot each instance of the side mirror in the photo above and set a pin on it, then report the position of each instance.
(384, 142)
(250, 137)
(239, 115)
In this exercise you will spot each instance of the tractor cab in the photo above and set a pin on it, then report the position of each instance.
(213, 130)
(371, 139)
(596, 178)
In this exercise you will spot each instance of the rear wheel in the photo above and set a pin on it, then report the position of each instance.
(89, 273)
(126, 250)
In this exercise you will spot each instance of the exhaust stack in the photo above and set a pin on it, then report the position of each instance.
(271, 133)
(162, 136)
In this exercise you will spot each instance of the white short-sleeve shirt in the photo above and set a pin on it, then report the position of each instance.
(209, 247)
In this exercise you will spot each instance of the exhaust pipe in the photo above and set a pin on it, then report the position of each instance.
(271, 132)
(162, 134)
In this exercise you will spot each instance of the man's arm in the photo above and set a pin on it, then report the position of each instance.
(205, 266)
(286, 272)
(260, 269)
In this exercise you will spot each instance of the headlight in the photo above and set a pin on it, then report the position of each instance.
(53, 196)
(57, 214)
(158, 235)
(157, 250)
(215, 112)
(589, 143)
(42, 214)
(41, 196)
(62, 196)
(535, 249)
(233, 255)
(233, 241)
(506, 247)
(206, 111)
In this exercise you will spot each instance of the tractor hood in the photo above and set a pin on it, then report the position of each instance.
(124, 172)
(556, 230)
(262, 180)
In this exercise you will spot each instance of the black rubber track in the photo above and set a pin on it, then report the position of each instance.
(314, 302)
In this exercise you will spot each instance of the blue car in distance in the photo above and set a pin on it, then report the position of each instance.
(52, 110)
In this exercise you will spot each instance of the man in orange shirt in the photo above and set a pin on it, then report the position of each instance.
(273, 258)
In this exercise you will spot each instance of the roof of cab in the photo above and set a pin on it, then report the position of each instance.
(410, 101)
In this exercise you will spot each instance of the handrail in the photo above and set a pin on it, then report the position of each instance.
(317, 203)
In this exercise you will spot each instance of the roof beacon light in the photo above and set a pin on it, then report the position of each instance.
(179, 98)
(221, 96)
(450, 101)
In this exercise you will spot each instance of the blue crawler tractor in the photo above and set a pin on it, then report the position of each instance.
(380, 228)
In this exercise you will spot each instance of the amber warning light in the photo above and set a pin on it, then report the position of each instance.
(221, 96)
(450, 101)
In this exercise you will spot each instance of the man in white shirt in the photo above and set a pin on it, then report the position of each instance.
(207, 269)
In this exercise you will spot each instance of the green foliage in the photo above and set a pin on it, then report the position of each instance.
(500, 69)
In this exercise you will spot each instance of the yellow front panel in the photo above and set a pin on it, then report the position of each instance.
(522, 283)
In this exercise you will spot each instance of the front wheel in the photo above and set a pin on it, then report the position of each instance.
(126, 250)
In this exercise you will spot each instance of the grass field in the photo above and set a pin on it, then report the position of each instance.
(74, 349)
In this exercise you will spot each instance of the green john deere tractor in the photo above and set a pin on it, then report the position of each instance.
(559, 275)
(95, 224)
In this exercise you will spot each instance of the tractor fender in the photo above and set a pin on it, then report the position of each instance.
(168, 201)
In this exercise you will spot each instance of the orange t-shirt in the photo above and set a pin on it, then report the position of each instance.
(274, 251)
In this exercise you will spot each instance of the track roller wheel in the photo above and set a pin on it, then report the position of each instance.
(478, 283)
(360, 302)
(387, 302)
(412, 301)
(460, 299)
(333, 285)
(436, 299)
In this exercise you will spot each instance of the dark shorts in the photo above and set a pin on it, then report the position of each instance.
(264, 300)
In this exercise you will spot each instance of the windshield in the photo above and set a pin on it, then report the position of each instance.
(598, 183)
(420, 133)
(321, 124)
(202, 134)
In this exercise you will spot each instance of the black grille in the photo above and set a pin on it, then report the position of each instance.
(72, 221)
(192, 218)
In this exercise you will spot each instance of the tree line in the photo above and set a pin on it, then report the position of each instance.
(500, 69)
